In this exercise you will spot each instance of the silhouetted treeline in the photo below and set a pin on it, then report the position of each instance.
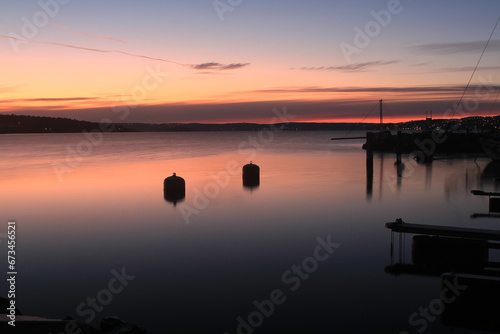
(172, 127)
(475, 123)
(38, 124)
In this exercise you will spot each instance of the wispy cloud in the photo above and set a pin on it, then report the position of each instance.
(422, 64)
(432, 90)
(355, 67)
(218, 66)
(460, 47)
(87, 35)
(467, 69)
(417, 89)
(50, 99)
(203, 66)
(8, 89)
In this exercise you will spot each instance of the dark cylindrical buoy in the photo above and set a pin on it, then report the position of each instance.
(251, 175)
(174, 188)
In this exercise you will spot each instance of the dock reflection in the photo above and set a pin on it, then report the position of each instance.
(490, 176)
(470, 301)
(392, 172)
(470, 282)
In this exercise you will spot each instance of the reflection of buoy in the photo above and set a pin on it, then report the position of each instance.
(251, 175)
(174, 188)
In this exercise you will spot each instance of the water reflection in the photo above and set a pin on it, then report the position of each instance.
(382, 176)
(428, 177)
(493, 204)
(406, 170)
(470, 301)
(470, 278)
(237, 246)
(173, 199)
(490, 177)
(400, 167)
(369, 174)
(250, 186)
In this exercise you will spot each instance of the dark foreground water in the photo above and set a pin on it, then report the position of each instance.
(306, 250)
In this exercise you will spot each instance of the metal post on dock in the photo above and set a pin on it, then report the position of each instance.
(401, 247)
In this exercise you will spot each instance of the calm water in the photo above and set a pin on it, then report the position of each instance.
(198, 267)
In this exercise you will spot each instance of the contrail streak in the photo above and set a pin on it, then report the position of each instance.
(87, 35)
(95, 50)
(214, 66)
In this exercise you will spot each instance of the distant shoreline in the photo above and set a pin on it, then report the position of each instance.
(10, 124)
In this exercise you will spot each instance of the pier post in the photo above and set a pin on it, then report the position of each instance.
(369, 164)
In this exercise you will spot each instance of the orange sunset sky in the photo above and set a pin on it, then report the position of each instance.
(234, 61)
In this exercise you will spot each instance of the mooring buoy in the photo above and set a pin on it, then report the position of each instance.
(174, 188)
(251, 175)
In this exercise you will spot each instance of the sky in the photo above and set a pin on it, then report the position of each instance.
(220, 61)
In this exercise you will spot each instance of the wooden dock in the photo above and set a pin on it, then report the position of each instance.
(484, 193)
(461, 232)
